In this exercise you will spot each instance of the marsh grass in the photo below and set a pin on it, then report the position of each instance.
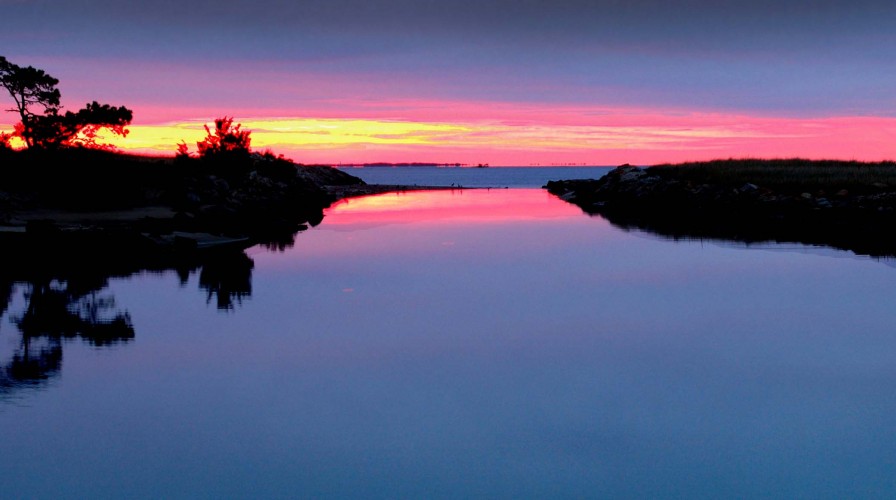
(794, 175)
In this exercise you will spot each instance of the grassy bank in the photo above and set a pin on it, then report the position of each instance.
(846, 205)
(785, 175)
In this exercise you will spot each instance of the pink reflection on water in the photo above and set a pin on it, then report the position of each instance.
(473, 206)
(477, 223)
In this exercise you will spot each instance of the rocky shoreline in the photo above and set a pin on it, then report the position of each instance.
(148, 205)
(857, 217)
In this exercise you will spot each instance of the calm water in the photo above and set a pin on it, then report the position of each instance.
(478, 343)
(515, 177)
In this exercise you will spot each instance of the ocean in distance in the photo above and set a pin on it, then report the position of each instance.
(472, 177)
(479, 343)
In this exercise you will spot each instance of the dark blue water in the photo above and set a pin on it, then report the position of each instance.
(479, 343)
(517, 177)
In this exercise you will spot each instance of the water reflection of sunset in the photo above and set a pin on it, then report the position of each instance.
(467, 205)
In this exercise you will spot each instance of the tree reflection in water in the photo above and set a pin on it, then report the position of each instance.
(226, 278)
(50, 299)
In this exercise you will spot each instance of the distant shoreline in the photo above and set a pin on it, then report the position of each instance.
(467, 165)
(412, 164)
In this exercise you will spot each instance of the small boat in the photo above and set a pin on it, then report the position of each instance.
(199, 241)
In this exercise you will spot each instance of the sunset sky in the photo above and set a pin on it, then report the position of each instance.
(503, 82)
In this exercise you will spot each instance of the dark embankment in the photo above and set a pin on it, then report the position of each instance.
(77, 190)
(73, 219)
(845, 205)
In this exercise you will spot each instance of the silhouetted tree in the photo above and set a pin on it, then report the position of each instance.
(80, 128)
(31, 88)
(225, 140)
(183, 151)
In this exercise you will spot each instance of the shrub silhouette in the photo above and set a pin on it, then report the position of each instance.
(226, 140)
(5, 144)
(225, 152)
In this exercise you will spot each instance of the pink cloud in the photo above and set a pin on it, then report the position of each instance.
(520, 133)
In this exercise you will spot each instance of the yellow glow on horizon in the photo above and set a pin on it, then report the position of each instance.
(300, 133)
(327, 134)
(622, 135)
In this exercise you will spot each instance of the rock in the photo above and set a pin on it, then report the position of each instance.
(629, 174)
(218, 211)
(41, 227)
